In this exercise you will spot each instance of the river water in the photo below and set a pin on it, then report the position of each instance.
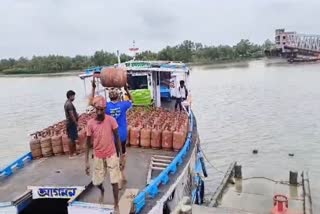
(274, 109)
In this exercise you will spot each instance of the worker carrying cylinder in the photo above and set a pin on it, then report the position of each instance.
(118, 110)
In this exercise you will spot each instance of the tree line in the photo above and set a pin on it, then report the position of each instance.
(187, 51)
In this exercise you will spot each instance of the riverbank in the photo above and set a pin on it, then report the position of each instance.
(206, 65)
(54, 74)
(238, 63)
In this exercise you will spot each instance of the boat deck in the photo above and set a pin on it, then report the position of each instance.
(138, 161)
(62, 172)
(53, 171)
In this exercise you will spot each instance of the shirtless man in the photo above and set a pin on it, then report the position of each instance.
(71, 122)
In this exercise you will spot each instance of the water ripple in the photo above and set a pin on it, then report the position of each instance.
(272, 109)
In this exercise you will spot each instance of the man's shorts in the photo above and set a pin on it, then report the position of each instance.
(101, 166)
(72, 131)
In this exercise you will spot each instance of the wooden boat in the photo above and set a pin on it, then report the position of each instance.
(59, 185)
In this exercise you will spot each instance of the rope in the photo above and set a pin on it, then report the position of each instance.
(249, 178)
(205, 157)
(261, 177)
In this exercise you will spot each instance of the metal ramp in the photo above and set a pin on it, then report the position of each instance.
(157, 164)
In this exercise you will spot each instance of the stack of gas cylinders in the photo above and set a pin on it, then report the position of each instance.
(54, 139)
(157, 128)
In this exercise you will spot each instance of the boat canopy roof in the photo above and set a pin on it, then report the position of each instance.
(161, 66)
(142, 66)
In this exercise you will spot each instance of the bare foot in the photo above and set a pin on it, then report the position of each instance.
(101, 195)
(72, 157)
(116, 209)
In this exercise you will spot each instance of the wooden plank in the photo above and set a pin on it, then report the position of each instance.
(161, 160)
(218, 193)
(149, 173)
(126, 201)
(25, 195)
(162, 156)
(160, 164)
(157, 168)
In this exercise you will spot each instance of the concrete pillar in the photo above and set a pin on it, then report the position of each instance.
(293, 178)
(237, 171)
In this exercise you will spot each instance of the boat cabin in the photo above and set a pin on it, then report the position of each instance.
(151, 83)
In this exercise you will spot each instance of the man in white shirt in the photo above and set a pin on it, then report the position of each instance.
(181, 95)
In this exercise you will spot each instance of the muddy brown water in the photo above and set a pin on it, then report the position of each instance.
(274, 109)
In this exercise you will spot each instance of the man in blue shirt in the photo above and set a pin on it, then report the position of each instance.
(118, 109)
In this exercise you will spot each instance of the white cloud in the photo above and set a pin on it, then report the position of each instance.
(70, 27)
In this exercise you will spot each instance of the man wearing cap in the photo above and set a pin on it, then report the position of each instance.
(118, 109)
(102, 132)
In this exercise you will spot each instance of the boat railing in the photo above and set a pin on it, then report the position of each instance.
(153, 188)
(17, 164)
(94, 69)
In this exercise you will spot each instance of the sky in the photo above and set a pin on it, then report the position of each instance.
(71, 27)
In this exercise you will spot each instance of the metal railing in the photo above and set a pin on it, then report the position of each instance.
(303, 42)
(18, 164)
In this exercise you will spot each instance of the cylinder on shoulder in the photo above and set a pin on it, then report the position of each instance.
(113, 77)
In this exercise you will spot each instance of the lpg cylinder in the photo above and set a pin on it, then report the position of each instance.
(113, 77)
(56, 142)
(178, 140)
(145, 137)
(156, 138)
(35, 147)
(65, 142)
(45, 143)
(167, 138)
(135, 136)
(128, 133)
(82, 138)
